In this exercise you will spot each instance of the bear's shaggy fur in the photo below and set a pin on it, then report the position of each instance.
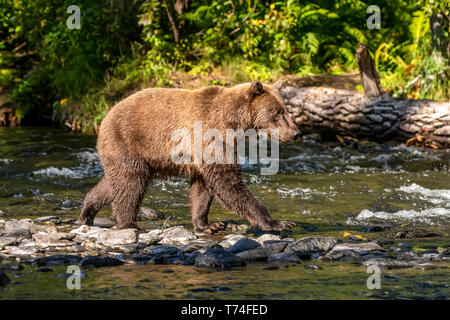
(134, 146)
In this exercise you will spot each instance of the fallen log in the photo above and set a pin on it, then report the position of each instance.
(321, 109)
(372, 115)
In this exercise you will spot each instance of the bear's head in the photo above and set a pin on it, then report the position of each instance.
(269, 112)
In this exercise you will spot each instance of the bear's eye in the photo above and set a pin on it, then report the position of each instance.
(280, 111)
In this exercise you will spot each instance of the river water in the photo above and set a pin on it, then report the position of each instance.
(326, 188)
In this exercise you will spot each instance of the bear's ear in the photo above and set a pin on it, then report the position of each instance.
(256, 89)
(277, 85)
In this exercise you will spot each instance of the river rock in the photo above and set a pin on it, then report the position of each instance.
(6, 241)
(233, 227)
(162, 254)
(262, 253)
(310, 245)
(177, 235)
(150, 238)
(230, 240)
(27, 224)
(19, 233)
(46, 219)
(22, 251)
(58, 260)
(199, 244)
(407, 255)
(103, 222)
(111, 238)
(342, 255)
(284, 257)
(128, 248)
(361, 248)
(243, 244)
(435, 257)
(98, 262)
(86, 231)
(12, 266)
(218, 258)
(4, 279)
(267, 237)
(53, 239)
(413, 233)
(388, 263)
(150, 214)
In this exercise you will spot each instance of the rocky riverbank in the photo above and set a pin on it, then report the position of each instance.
(51, 241)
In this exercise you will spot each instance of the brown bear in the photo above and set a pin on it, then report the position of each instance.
(135, 145)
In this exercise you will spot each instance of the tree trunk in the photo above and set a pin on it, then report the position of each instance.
(320, 109)
(367, 72)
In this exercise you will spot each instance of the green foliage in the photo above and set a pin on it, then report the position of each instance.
(75, 76)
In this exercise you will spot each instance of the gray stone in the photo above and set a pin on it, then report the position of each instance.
(177, 235)
(150, 214)
(12, 266)
(199, 244)
(431, 257)
(284, 257)
(262, 253)
(218, 258)
(58, 260)
(388, 263)
(111, 238)
(53, 239)
(267, 237)
(150, 238)
(128, 248)
(19, 233)
(98, 262)
(22, 224)
(230, 240)
(407, 255)
(6, 241)
(85, 231)
(342, 255)
(310, 245)
(243, 244)
(234, 227)
(361, 248)
(103, 222)
(46, 219)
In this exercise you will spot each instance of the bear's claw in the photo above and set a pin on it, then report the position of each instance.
(217, 226)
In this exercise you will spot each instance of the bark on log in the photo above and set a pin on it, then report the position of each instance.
(320, 109)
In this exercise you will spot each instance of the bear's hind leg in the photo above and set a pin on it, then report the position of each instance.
(129, 192)
(97, 198)
(200, 201)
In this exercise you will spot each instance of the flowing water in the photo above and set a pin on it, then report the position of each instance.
(326, 188)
